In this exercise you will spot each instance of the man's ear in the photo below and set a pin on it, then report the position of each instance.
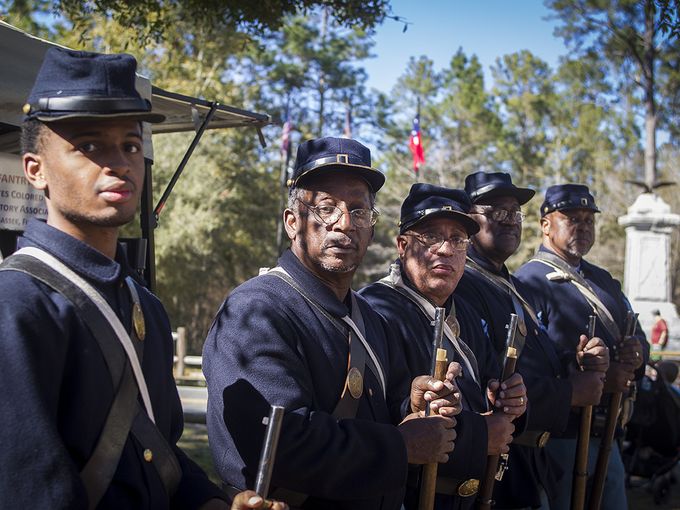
(290, 222)
(34, 171)
(402, 242)
(545, 225)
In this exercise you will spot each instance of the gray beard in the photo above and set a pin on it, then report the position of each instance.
(575, 253)
(341, 269)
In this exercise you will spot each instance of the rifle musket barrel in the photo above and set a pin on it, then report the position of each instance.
(439, 314)
(271, 441)
(591, 325)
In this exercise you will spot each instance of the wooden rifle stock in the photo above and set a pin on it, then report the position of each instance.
(609, 431)
(428, 482)
(485, 497)
(580, 477)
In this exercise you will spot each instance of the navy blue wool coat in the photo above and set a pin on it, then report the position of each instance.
(564, 312)
(268, 345)
(413, 335)
(56, 389)
(548, 391)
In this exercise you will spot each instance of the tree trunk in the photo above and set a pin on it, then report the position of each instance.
(650, 105)
(322, 80)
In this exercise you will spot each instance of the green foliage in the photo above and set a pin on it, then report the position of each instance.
(469, 123)
(310, 71)
(669, 17)
(20, 13)
(218, 226)
(525, 91)
(577, 123)
(156, 19)
(634, 41)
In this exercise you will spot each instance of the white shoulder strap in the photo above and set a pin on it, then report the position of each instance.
(586, 292)
(395, 281)
(106, 310)
(346, 319)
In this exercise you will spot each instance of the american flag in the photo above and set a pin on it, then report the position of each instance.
(416, 145)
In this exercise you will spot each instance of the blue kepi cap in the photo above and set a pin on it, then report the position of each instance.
(74, 85)
(427, 201)
(481, 185)
(340, 156)
(568, 196)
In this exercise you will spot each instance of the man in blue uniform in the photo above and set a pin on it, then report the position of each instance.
(87, 423)
(433, 237)
(488, 286)
(299, 337)
(565, 290)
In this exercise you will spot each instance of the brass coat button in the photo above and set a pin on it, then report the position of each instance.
(355, 382)
(138, 321)
(148, 455)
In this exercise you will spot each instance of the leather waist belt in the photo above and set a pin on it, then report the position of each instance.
(532, 438)
(462, 488)
(453, 486)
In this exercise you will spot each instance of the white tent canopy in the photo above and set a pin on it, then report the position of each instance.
(21, 55)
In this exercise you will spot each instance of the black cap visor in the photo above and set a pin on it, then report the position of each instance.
(523, 195)
(469, 224)
(374, 178)
(85, 107)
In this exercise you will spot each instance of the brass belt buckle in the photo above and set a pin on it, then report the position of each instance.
(543, 439)
(502, 466)
(468, 488)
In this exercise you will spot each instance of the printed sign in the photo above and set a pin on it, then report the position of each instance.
(19, 201)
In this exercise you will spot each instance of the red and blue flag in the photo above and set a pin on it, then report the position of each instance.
(416, 145)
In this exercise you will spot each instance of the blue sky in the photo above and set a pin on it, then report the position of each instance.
(487, 28)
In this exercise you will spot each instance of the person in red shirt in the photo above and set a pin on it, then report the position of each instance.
(659, 332)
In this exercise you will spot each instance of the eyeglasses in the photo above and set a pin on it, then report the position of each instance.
(330, 215)
(499, 215)
(434, 242)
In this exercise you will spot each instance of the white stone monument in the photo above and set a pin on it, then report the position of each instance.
(649, 224)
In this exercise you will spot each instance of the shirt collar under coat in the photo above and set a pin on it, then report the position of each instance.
(486, 264)
(321, 292)
(82, 258)
(577, 269)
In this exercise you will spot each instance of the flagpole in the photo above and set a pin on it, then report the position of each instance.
(417, 172)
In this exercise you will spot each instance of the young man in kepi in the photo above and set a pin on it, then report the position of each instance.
(91, 414)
